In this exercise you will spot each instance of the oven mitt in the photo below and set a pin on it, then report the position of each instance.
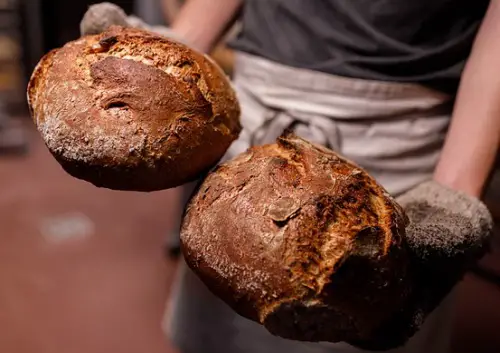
(448, 232)
(103, 15)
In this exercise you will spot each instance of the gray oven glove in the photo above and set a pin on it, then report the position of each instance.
(105, 14)
(448, 232)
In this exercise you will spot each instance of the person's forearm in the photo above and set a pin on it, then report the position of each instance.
(170, 9)
(202, 22)
(474, 136)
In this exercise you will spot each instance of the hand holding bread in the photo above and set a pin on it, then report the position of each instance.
(295, 237)
(290, 235)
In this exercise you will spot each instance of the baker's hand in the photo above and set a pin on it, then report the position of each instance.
(103, 15)
(448, 232)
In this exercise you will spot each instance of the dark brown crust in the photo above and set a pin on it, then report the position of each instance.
(130, 110)
(295, 237)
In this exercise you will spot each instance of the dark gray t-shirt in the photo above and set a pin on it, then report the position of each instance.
(422, 41)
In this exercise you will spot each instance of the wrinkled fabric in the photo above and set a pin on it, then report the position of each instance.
(394, 131)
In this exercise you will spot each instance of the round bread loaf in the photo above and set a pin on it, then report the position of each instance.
(295, 237)
(130, 110)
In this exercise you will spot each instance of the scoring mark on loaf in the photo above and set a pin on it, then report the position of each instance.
(147, 53)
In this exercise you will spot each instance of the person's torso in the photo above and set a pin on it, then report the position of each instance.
(425, 41)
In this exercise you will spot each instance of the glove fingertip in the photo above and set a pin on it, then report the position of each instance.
(101, 16)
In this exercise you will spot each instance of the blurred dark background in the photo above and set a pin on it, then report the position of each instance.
(82, 270)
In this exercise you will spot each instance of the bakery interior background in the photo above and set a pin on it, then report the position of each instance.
(80, 267)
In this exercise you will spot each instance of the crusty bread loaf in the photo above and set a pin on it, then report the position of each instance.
(130, 110)
(297, 238)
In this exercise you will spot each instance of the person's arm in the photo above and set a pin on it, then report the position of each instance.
(170, 9)
(474, 136)
(203, 22)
